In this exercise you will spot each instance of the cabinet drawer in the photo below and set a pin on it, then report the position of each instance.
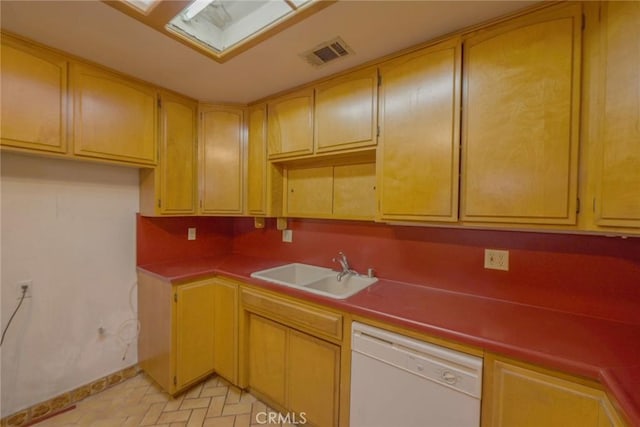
(310, 319)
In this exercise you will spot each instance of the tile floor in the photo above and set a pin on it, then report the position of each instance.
(138, 401)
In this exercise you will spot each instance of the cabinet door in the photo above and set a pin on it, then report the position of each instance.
(170, 188)
(221, 159)
(193, 328)
(310, 192)
(267, 347)
(617, 200)
(354, 191)
(313, 370)
(265, 181)
(521, 119)
(290, 125)
(114, 118)
(225, 330)
(345, 112)
(518, 396)
(257, 160)
(418, 152)
(34, 98)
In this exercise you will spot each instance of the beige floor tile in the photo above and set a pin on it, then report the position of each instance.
(214, 391)
(247, 398)
(194, 392)
(174, 417)
(132, 421)
(201, 402)
(243, 420)
(219, 422)
(211, 382)
(139, 402)
(197, 417)
(109, 422)
(256, 408)
(154, 398)
(152, 415)
(216, 406)
(236, 409)
(233, 395)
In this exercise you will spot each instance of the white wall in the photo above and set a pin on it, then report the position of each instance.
(70, 227)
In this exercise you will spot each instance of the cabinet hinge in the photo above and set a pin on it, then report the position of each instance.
(159, 103)
(378, 131)
(175, 297)
(379, 79)
(159, 203)
(175, 380)
(594, 204)
(584, 21)
(578, 205)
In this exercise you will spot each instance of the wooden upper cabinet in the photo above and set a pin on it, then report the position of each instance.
(222, 151)
(34, 98)
(418, 153)
(114, 118)
(264, 179)
(290, 125)
(257, 160)
(310, 192)
(520, 119)
(170, 188)
(345, 112)
(617, 199)
(354, 191)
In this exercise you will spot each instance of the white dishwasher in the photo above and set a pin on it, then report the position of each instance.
(400, 381)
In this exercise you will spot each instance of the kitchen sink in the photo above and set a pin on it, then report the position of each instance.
(314, 279)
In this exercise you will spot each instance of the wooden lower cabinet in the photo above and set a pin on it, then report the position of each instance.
(518, 394)
(294, 370)
(267, 358)
(312, 374)
(291, 352)
(183, 331)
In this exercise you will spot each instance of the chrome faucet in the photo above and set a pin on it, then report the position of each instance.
(344, 263)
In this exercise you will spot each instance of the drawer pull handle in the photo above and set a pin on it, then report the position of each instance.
(449, 378)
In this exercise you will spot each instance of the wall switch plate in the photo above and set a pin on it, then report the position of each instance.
(191, 233)
(496, 259)
(28, 284)
(287, 236)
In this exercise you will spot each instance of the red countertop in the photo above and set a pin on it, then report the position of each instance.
(603, 350)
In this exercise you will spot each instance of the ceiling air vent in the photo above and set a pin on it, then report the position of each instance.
(327, 52)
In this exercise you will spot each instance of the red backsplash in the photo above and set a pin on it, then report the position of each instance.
(593, 275)
(165, 239)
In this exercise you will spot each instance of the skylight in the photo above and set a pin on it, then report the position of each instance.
(223, 24)
(219, 29)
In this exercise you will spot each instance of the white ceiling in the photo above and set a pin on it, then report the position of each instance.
(95, 31)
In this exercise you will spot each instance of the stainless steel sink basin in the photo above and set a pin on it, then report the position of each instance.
(314, 279)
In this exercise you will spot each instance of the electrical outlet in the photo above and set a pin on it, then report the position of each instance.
(191, 233)
(28, 284)
(287, 236)
(496, 259)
